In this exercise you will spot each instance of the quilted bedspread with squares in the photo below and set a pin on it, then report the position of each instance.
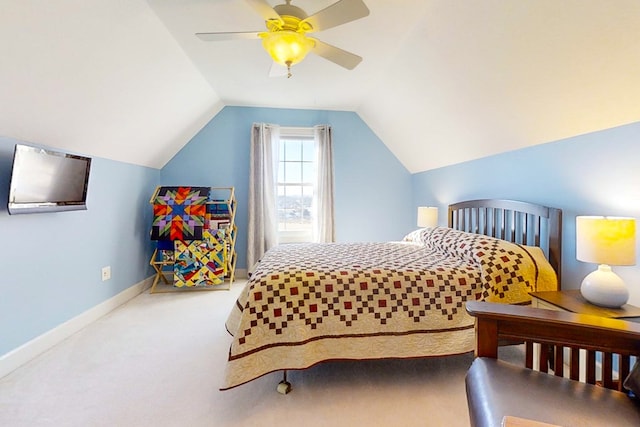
(308, 303)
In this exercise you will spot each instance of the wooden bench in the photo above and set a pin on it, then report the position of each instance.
(496, 389)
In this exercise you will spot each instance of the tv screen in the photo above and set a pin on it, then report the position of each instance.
(47, 181)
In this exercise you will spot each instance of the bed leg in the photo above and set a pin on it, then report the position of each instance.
(284, 386)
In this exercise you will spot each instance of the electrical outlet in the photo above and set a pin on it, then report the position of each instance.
(106, 273)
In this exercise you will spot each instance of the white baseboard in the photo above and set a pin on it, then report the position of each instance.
(28, 351)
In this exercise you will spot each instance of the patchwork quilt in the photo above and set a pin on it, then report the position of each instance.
(308, 303)
(179, 213)
(201, 263)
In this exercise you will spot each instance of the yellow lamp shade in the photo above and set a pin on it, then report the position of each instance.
(287, 47)
(427, 216)
(606, 240)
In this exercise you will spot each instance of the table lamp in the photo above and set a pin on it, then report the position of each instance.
(427, 216)
(606, 241)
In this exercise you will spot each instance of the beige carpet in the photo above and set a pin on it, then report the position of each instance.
(158, 361)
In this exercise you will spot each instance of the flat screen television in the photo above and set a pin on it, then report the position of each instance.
(43, 180)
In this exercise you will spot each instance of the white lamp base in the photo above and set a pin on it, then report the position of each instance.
(605, 288)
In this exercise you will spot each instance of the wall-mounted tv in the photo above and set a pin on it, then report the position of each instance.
(43, 180)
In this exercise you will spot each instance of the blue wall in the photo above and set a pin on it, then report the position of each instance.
(50, 263)
(593, 174)
(372, 188)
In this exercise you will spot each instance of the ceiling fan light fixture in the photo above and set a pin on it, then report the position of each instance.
(287, 47)
(287, 25)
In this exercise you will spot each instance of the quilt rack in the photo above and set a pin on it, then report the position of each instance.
(195, 233)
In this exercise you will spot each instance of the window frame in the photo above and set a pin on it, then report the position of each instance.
(305, 234)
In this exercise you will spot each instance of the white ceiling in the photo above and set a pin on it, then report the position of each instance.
(442, 81)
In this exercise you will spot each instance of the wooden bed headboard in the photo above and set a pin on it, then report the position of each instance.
(518, 222)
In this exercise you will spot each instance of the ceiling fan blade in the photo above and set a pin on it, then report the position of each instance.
(336, 55)
(264, 9)
(217, 37)
(338, 13)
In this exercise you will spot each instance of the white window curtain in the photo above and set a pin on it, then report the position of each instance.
(324, 225)
(262, 228)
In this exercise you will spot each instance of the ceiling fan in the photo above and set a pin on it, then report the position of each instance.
(287, 25)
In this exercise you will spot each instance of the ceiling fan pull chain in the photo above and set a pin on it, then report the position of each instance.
(289, 69)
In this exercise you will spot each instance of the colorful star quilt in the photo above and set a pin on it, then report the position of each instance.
(179, 213)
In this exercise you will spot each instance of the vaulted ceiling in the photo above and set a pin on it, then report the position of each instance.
(441, 82)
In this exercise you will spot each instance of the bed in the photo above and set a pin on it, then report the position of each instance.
(309, 303)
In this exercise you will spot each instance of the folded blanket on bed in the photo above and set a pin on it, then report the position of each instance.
(502, 281)
(307, 303)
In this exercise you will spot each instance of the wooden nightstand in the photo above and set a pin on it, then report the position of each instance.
(572, 300)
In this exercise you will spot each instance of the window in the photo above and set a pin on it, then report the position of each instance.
(296, 185)
(290, 187)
